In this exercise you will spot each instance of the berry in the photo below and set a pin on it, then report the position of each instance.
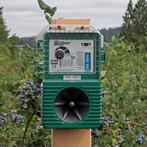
(28, 94)
(36, 90)
(19, 119)
(12, 116)
(1, 120)
(22, 95)
(140, 139)
(29, 82)
(95, 133)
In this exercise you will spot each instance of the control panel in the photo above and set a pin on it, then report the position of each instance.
(71, 56)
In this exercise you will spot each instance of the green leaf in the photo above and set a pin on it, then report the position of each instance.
(122, 117)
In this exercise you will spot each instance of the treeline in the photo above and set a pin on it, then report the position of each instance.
(15, 58)
(3, 29)
(31, 41)
(110, 32)
(133, 30)
(134, 27)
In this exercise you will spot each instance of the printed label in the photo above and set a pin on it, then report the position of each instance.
(72, 77)
(69, 55)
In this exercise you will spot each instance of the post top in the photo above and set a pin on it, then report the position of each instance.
(71, 21)
(68, 26)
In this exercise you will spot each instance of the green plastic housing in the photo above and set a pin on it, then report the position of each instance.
(90, 84)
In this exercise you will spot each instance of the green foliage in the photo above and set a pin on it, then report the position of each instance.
(134, 27)
(31, 41)
(14, 43)
(124, 81)
(124, 78)
(48, 11)
(47, 8)
(19, 127)
(109, 33)
(3, 30)
(14, 40)
(124, 117)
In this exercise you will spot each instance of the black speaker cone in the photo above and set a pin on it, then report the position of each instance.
(71, 105)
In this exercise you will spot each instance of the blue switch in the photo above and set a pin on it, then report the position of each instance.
(87, 61)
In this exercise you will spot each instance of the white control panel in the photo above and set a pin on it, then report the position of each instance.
(71, 56)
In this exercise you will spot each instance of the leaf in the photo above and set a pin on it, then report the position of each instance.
(122, 117)
(43, 5)
(103, 73)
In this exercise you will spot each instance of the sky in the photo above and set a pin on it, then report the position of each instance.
(25, 18)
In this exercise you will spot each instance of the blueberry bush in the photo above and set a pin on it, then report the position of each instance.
(124, 78)
(20, 122)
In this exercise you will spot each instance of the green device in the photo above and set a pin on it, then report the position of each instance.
(72, 96)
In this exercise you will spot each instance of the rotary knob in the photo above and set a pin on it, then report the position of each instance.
(59, 54)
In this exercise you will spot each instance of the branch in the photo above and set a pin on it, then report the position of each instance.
(27, 126)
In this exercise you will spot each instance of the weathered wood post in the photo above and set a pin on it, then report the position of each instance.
(71, 138)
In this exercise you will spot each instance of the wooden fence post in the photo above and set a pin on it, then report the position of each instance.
(71, 138)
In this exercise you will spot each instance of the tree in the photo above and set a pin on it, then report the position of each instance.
(3, 29)
(127, 26)
(134, 27)
(14, 40)
(110, 32)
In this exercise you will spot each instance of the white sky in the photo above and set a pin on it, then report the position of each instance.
(25, 18)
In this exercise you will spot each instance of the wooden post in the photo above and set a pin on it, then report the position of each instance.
(71, 21)
(71, 138)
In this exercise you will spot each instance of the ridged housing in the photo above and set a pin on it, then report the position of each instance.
(91, 120)
(89, 83)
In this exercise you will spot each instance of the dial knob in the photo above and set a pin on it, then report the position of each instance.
(59, 54)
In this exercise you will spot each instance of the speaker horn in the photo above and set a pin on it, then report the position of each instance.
(71, 105)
